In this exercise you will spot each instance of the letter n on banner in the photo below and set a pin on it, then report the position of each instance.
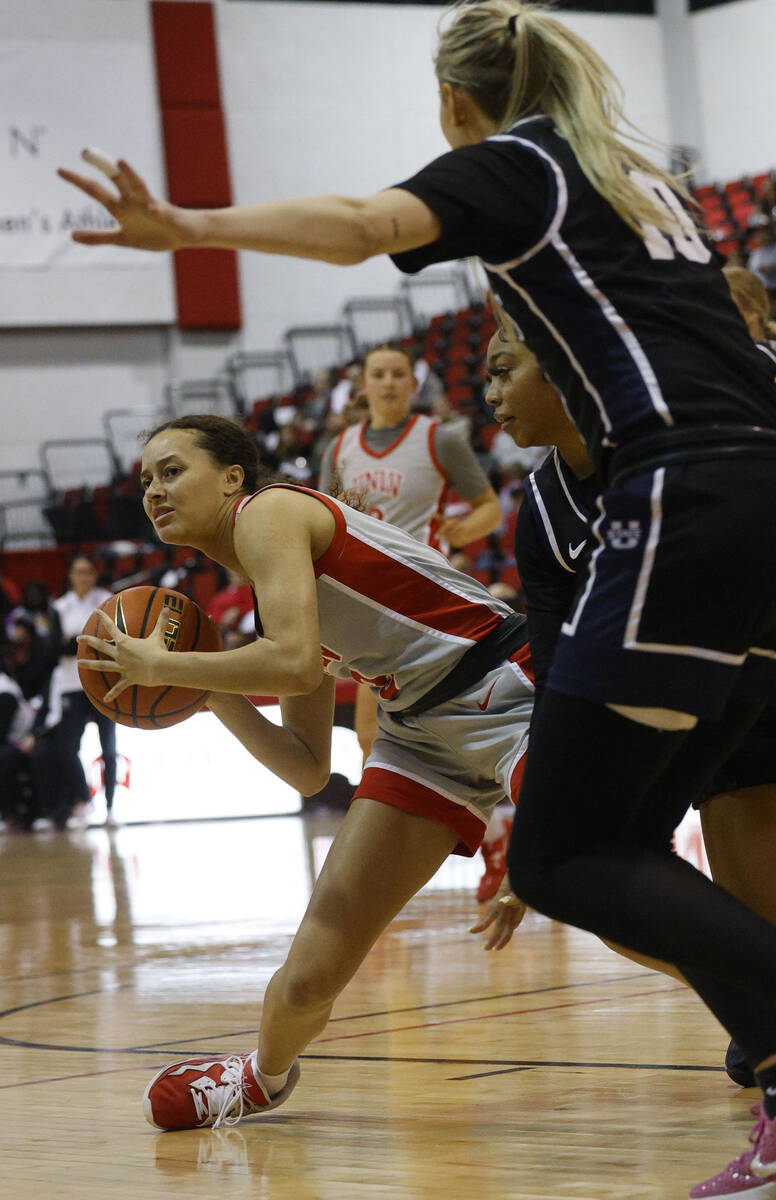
(206, 281)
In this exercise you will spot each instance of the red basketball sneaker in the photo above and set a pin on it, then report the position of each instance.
(201, 1092)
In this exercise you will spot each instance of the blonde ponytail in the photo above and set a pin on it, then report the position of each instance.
(751, 296)
(516, 60)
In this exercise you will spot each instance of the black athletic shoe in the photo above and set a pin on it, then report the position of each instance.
(738, 1068)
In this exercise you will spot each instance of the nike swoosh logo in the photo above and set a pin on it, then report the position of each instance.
(575, 551)
(483, 704)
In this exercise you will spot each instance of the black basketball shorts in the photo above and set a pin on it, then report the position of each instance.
(679, 604)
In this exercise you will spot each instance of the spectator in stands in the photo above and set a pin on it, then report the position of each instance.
(762, 260)
(316, 406)
(9, 596)
(37, 607)
(331, 429)
(453, 420)
(429, 386)
(342, 392)
(74, 608)
(31, 658)
(232, 610)
(291, 455)
(16, 720)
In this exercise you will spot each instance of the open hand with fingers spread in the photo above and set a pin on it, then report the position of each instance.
(145, 222)
(504, 914)
(134, 660)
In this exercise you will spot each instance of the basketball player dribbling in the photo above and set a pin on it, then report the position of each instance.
(592, 252)
(339, 595)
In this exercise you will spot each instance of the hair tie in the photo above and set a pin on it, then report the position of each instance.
(512, 24)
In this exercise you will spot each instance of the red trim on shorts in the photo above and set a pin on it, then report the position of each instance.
(388, 449)
(337, 544)
(524, 661)
(396, 585)
(389, 787)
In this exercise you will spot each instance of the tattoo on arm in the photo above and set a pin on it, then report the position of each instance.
(395, 224)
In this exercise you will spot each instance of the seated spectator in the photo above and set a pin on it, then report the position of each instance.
(30, 658)
(457, 422)
(16, 720)
(506, 455)
(37, 607)
(232, 610)
(74, 607)
(429, 387)
(291, 454)
(342, 392)
(316, 406)
(762, 260)
(9, 596)
(332, 428)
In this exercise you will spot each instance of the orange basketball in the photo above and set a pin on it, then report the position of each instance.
(136, 612)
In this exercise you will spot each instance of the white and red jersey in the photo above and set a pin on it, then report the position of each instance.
(392, 612)
(403, 484)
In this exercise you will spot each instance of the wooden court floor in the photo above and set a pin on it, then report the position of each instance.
(551, 1070)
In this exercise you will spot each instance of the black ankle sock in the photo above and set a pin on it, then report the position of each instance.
(766, 1079)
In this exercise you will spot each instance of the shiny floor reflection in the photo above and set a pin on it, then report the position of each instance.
(554, 1069)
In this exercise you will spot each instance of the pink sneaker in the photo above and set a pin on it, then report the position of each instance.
(202, 1092)
(751, 1175)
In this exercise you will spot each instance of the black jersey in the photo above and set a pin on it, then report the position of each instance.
(552, 546)
(638, 333)
(767, 346)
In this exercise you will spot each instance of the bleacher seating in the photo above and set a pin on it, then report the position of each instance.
(730, 212)
(88, 494)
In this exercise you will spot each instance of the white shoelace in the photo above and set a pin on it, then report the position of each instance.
(224, 1104)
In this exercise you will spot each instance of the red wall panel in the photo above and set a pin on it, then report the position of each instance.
(196, 156)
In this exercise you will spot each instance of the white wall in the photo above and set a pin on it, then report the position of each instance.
(318, 98)
(735, 53)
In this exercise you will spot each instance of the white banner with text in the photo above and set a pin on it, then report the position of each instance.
(71, 76)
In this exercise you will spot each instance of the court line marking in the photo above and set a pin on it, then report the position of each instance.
(390, 1012)
(156, 1047)
(491, 1016)
(519, 1065)
(83, 1075)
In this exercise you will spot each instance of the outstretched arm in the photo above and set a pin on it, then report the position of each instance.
(335, 229)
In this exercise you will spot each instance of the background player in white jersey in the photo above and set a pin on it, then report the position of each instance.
(398, 466)
(594, 255)
(338, 595)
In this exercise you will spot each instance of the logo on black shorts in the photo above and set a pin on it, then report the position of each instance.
(623, 535)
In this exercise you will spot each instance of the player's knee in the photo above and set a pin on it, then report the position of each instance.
(309, 985)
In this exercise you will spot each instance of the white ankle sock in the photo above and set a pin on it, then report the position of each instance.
(273, 1083)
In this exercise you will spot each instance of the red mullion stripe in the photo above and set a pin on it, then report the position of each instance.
(397, 586)
(206, 281)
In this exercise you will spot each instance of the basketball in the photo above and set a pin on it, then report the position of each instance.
(136, 612)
